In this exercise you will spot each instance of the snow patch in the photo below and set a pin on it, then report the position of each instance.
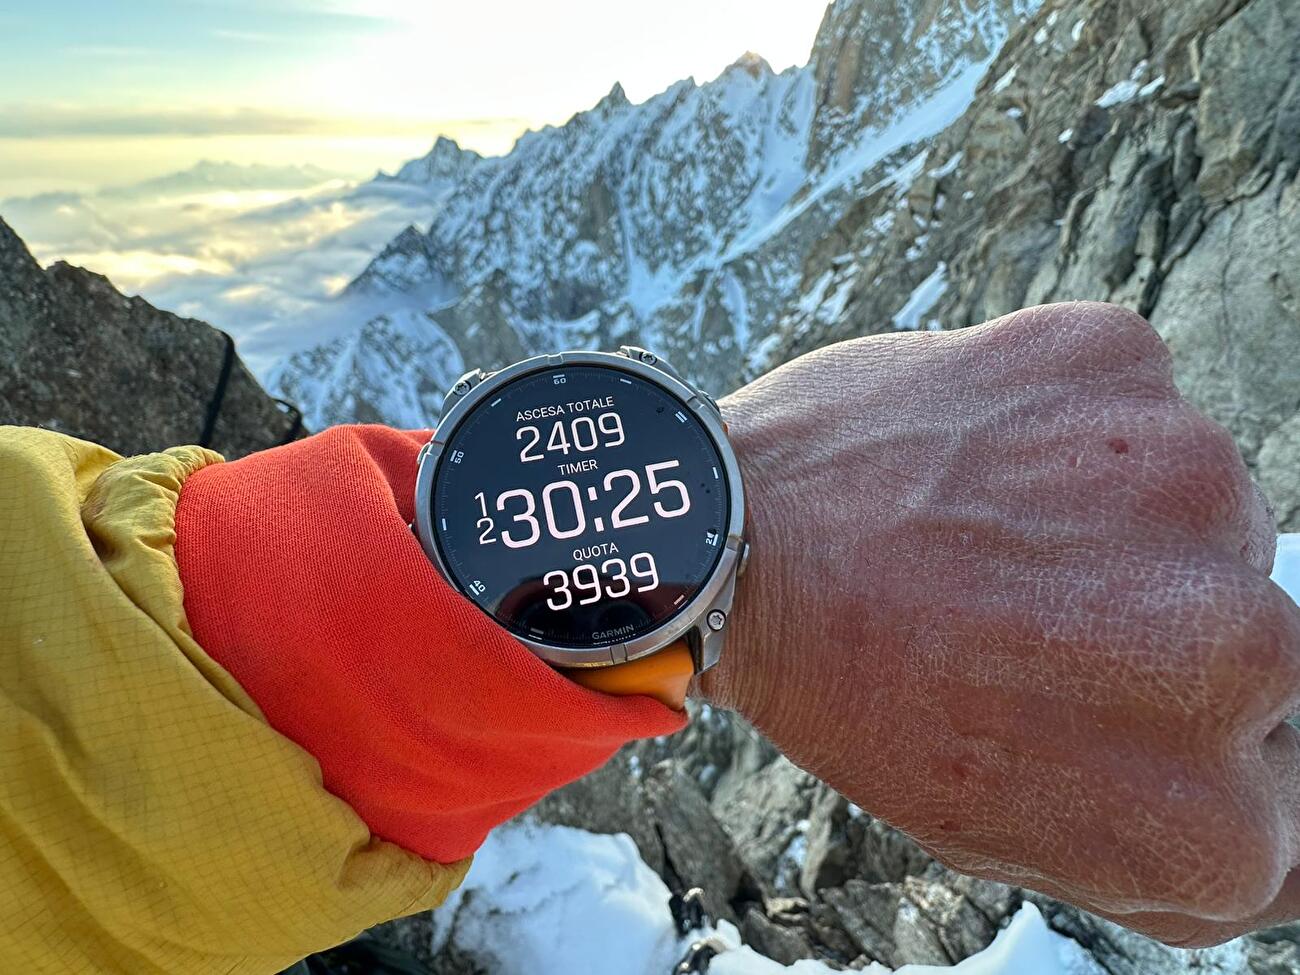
(923, 298)
(1286, 567)
(552, 900)
(947, 168)
(1025, 946)
(1147, 90)
(1129, 88)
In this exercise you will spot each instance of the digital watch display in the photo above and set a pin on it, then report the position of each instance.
(588, 502)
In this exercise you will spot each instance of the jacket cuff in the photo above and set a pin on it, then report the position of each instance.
(303, 579)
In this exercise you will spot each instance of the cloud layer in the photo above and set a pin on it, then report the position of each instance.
(65, 121)
(256, 251)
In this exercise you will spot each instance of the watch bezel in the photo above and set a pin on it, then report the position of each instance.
(692, 614)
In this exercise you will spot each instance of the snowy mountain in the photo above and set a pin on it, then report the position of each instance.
(1144, 155)
(681, 223)
(446, 163)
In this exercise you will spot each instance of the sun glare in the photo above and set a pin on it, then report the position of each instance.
(345, 85)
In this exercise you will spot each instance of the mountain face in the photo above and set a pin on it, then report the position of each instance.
(446, 163)
(920, 171)
(78, 356)
(1143, 154)
(681, 223)
(876, 62)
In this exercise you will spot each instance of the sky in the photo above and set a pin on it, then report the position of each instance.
(97, 92)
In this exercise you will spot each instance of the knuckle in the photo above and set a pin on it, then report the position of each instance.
(1227, 861)
(1193, 473)
(1213, 445)
(1108, 341)
(1238, 653)
(1208, 449)
(1171, 928)
(1223, 655)
(1260, 639)
(1187, 932)
(1087, 341)
(1115, 321)
(1124, 335)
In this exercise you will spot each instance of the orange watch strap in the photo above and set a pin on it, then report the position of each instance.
(664, 676)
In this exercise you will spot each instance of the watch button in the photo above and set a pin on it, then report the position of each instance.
(744, 561)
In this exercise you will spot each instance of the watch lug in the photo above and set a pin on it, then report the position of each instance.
(638, 354)
(712, 641)
(461, 387)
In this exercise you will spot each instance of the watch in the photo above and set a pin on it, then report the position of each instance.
(591, 504)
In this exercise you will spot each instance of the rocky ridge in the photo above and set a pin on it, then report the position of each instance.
(78, 356)
(1144, 154)
(680, 223)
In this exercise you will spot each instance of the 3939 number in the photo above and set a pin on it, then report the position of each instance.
(613, 580)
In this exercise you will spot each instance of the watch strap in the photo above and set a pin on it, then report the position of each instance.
(664, 676)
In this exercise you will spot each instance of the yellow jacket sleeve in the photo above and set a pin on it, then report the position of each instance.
(150, 820)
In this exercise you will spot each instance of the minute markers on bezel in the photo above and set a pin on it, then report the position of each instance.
(656, 529)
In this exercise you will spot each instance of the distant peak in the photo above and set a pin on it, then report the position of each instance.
(449, 152)
(617, 98)
(445, 161)
(445, 146)
(754, 65)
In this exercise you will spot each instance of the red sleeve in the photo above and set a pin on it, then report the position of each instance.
(304, 581)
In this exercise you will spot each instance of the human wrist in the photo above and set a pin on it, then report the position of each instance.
(824, 445)
(750, 674)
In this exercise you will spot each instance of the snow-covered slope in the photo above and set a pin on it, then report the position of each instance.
(861, 47)
(550, 900)
(680, 223)
(444, 165)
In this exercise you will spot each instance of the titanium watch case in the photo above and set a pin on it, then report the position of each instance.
(702, 622)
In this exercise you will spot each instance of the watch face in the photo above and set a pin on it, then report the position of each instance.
(581, 506)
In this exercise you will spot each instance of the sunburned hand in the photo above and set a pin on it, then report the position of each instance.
(1009, 592)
